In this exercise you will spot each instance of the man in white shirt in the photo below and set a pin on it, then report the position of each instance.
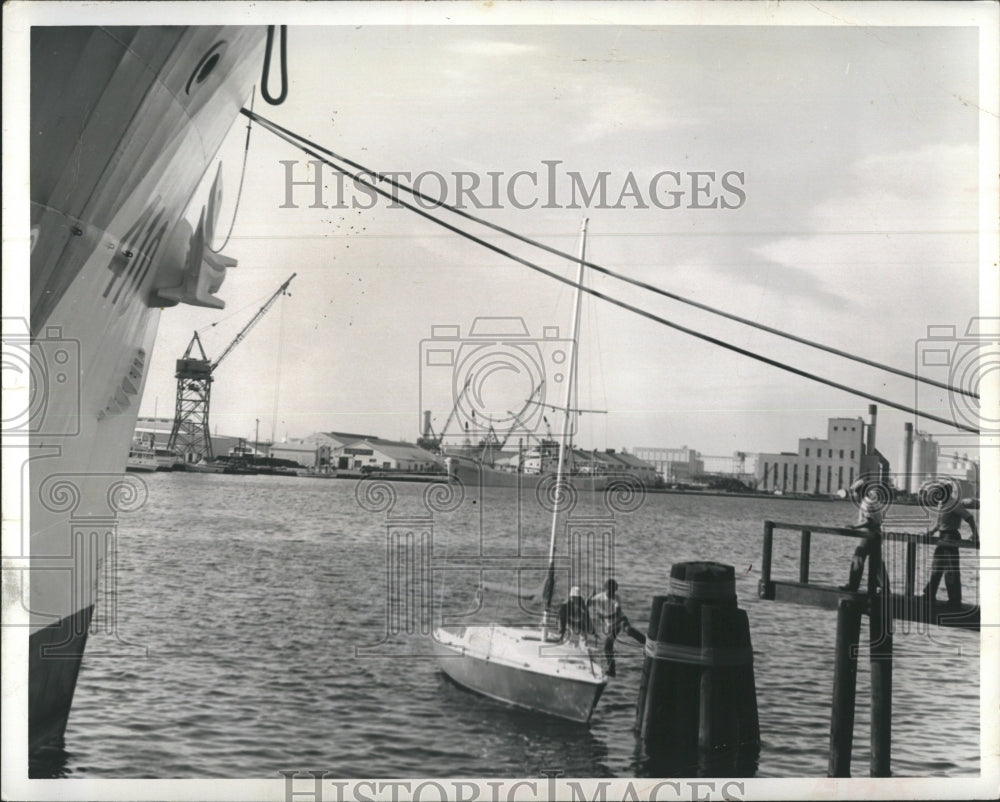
(608, 619)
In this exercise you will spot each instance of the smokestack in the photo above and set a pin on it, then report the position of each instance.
(873, 415)
(908, 457)
(427, 423)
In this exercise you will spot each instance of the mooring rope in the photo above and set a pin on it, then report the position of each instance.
(607, 271)
(699, 655)
(321, 154)
(703, 591)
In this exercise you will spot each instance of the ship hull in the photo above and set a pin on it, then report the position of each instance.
(512, 665)
(125, 123)
(473, 473)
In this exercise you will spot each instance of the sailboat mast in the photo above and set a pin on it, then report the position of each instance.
(567, 425)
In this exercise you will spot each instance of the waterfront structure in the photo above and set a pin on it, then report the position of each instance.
(825, 466)
(673, 464)
(622, 462)
(324, 444)
(741, 466)
(154, 430)
(374, 453)
(918, 460)
(306, 455)
(332, 439)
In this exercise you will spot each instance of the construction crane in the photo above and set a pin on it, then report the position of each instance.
(189, 435)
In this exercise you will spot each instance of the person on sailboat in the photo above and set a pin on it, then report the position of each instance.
(574, 619)
(609, 620)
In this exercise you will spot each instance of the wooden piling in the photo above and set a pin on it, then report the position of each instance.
(670, 721)
(728, 727)
(845, 680)
(651, 633)
(692, 715)
(709, 725)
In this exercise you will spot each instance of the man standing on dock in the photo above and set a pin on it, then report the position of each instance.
(865, 493)
(950, 514)
(609, 620)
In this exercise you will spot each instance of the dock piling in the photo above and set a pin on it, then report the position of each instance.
(692, 713)
(651, 635)
(845, 680)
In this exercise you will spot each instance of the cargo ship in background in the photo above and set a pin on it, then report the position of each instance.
(125, 124)
(535, 467)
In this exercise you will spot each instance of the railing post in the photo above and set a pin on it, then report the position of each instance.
(804, 557)
(764, 589)
(880, 656)
(911, 568)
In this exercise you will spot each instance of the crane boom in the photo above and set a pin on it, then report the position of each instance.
(189, 436)
(254, 320)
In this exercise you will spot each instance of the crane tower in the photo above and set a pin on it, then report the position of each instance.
(189, 435)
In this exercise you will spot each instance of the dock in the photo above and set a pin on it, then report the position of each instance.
(882, 607)
(905, 606)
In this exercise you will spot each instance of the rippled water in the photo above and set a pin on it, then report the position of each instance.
(250, 594)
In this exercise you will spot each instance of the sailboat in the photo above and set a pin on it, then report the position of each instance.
(531, 667)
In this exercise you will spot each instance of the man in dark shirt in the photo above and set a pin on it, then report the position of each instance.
(950, 514)
(574, 619)
(865, 493)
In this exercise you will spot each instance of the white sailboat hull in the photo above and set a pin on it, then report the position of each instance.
(514, 666)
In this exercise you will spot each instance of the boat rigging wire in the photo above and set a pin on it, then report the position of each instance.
(604, 270)
(264, 93)
(243, 172)
(321, 154)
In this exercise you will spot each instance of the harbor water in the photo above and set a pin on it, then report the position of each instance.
(252, 633)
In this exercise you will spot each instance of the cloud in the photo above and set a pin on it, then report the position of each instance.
(901, 219)
(930, 188)
(610, 109)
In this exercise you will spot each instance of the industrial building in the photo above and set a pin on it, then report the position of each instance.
(375, 453)
(675, 465)
(826, 466)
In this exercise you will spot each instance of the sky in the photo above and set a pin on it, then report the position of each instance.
(852, 156)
